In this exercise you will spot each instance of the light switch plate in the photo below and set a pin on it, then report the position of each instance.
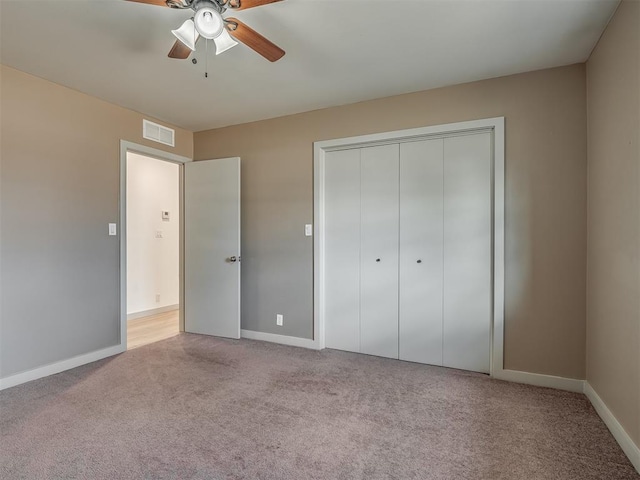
(308, 230)
(112, 229)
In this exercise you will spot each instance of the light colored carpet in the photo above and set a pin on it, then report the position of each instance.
(196, 407)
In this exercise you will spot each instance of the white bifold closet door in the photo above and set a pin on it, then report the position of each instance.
(467, 252)
(379, 223)
(421, 251)
(408, 251)
(342, 249)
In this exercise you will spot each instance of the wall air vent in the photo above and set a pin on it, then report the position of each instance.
(158, 133)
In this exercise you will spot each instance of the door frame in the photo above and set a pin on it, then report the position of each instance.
(126, 147)
(495, 126)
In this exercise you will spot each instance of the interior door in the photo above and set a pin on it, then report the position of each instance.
(212, 247)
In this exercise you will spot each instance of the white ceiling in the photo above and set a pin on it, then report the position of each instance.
(338, 51)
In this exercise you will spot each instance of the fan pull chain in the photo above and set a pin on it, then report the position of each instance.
(206, 59)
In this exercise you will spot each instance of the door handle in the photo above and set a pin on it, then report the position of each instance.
(232, 259)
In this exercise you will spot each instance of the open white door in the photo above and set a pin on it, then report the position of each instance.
(212, 247)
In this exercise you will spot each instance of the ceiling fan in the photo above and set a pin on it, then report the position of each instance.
(208, 23)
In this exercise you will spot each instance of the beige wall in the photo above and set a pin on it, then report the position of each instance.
(545, 201)
(59, 187)
(613, 320)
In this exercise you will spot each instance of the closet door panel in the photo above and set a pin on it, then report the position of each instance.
(379, 251)
(342, 250)
(467, 252)
(421, 250)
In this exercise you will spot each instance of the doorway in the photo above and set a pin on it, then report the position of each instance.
(153, 249)
(151, 245)
(207, 218)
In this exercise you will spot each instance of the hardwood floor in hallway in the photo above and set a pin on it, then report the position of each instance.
(145, 330)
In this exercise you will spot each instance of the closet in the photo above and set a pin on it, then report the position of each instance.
(408, 250)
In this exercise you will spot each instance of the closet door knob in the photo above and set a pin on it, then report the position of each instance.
(377, 259)
(419, 261)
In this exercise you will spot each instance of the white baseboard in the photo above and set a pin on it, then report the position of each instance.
(153, 311)
(540, 380)
(622, 437)
(53, 368)
(283, 339)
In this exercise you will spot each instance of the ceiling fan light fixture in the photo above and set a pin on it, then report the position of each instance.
(208, 22)
(224, 42)
(187, 34)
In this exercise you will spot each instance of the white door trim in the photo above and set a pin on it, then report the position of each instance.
(494, 125)
(125, 147)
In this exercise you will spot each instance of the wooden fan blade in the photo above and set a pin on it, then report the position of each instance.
(245, 4)
(160, 3)
(254, 40)
(179, 50)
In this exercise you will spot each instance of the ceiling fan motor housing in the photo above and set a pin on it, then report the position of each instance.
(198, 4)
(181, 4)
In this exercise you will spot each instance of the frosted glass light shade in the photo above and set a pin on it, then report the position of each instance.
(208, 22)
(224, 42)
(187, 34)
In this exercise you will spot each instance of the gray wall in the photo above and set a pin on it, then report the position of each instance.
(545, 193)
(59, 189)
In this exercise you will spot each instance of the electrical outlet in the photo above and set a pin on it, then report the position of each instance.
(158, 233)
(279, 320)
(157, 298)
